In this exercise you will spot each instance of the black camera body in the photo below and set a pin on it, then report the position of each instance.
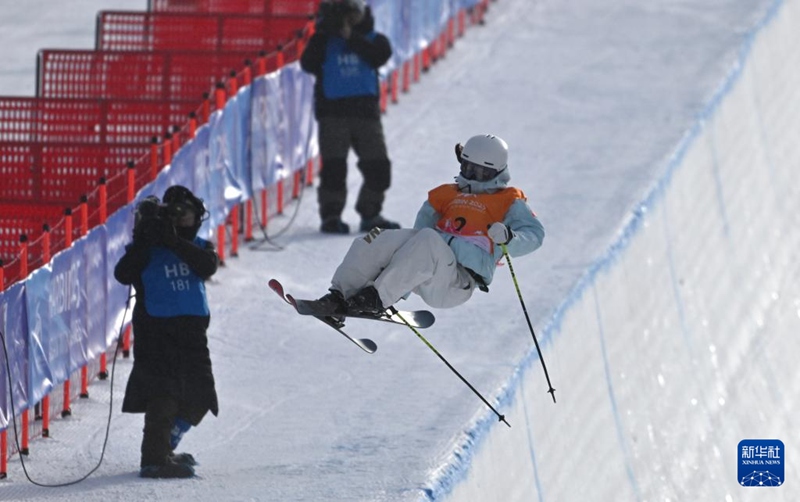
(330, 18)
(151, 208)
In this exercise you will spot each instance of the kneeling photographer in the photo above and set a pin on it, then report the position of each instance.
(172, 381)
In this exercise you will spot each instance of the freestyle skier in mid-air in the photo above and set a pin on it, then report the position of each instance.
(461, 232)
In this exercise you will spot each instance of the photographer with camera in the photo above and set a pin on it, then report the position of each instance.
(171, 382)
(344, 55)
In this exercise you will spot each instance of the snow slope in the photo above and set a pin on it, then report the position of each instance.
(591, 97)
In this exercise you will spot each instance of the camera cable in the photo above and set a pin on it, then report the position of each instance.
(110, 407)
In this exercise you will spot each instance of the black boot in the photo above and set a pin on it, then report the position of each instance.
(366, 301)
(182, 458)
(334, 225)
(335, 303)
(170, 469)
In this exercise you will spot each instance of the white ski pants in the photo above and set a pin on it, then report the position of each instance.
(397, 262)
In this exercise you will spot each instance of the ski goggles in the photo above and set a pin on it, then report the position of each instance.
(477, 172)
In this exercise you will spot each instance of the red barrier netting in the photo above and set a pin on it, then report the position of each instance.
(60, 172)
(140, 31)
(20, 217)
(24, 219)
(241, 6)
(160, 75)
(19, 220)
(89, 120)
(84, 127)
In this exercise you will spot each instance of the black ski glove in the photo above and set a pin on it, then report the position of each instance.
(147, 233)
(169, 237)
(155, 232)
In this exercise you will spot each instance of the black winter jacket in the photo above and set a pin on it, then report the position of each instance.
(375, 52)
(171, 354)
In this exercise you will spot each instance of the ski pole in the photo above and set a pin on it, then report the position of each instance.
(552, 391)
(501, 418)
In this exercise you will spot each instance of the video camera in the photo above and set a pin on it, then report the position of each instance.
(330, 18)
(151, 208)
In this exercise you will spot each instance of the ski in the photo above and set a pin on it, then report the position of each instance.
(364, 344)
(420, 319)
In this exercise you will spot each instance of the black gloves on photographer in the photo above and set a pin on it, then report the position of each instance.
(330, 18)
(155, 232)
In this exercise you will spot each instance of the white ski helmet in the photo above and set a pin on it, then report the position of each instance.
(484, 164)
(486, 150)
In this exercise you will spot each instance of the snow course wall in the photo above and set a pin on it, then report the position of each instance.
(681, 340)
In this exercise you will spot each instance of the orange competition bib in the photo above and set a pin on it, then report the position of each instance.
(469, 215)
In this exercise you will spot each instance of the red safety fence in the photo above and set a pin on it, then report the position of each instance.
(29, 220)
(274, 7)
(60, 172)
(149, 31)
(96, 126)
(54, 151)
(95, 192)
(77, 142)
(37, 227)
(157, 75)
(90, 120)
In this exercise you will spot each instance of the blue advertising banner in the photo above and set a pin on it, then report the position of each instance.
(41, 378)
(220, 161)
(119, 229)
(183, 166)
(56, 301)
(94, 286)
(228, 154)
(242, 170)
(306, 121)
(389, 16)
(295, 84)
(269, 131)
(201, 187)
(14, 325)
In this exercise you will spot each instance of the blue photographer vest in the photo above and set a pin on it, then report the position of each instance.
(345, 74)
(172, 289)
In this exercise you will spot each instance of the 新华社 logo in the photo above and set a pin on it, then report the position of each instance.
(761, 462)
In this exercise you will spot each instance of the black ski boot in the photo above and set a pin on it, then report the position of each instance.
(366, 301)
(334, 302)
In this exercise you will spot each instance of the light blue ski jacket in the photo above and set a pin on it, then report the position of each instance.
(528, 230)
